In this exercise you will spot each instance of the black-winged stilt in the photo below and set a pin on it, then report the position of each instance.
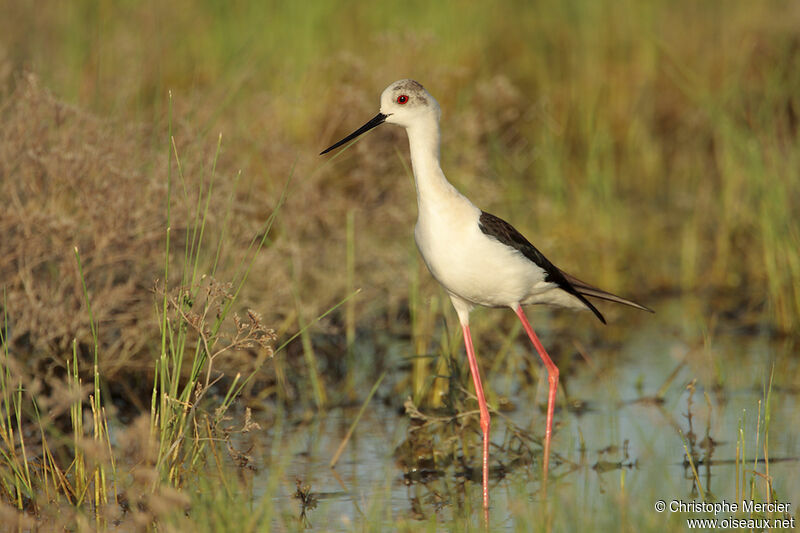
(478, 258)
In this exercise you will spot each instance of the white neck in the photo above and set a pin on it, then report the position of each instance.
(433, 189)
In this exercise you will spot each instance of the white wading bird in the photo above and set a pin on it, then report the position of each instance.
(478, 258)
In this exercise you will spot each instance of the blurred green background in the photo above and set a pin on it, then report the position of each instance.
(652, 143)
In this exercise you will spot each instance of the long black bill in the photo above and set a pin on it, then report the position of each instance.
(377, 120)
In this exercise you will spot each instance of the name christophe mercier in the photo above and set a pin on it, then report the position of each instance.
(724, 506)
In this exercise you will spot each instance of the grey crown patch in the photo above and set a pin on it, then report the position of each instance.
(413, 88)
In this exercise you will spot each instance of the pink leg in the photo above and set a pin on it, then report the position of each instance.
(476, 378)
(552, 378)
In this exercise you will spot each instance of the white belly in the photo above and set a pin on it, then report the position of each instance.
(473, 266)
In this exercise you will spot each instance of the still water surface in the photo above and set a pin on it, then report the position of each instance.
(617, 442)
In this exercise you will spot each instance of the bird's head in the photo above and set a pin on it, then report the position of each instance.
(405, 103)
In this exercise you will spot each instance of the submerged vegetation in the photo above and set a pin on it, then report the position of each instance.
(185, 282)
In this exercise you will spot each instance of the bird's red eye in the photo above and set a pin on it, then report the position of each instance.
(402, 99)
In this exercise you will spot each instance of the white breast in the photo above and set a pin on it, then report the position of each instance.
(472, 265)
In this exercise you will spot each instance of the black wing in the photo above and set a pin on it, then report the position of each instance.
(506, 233)
(590, 290)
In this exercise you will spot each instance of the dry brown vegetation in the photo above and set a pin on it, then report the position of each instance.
(71, 180)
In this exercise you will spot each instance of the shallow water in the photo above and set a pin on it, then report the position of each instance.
(615, 444)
